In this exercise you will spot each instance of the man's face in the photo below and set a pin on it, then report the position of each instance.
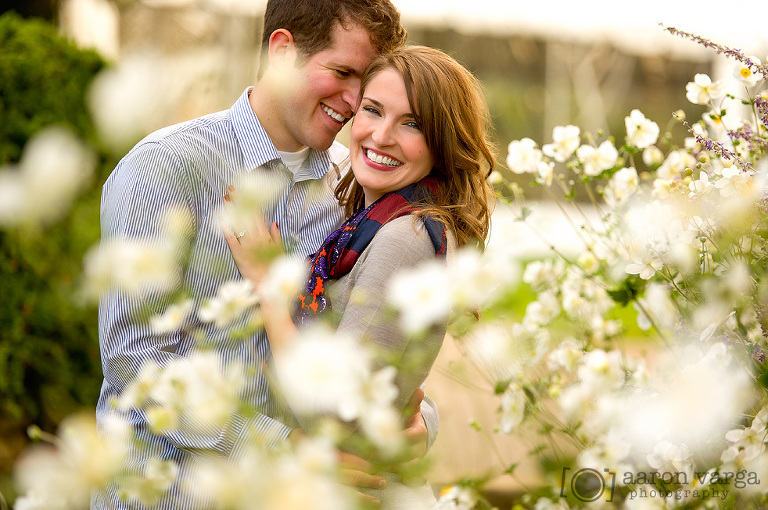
(321, 95)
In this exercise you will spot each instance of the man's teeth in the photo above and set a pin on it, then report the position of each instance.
(336, 116)
(384, 160)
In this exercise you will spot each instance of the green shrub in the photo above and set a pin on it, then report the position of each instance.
(49, 359)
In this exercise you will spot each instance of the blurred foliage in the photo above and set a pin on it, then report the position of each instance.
(49, 354)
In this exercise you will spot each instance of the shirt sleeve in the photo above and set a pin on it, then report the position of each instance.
(400, 244)
(148, 181)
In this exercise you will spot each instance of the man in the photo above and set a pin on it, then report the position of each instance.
(313, 56)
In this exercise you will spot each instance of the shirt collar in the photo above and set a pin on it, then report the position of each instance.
(258, 148)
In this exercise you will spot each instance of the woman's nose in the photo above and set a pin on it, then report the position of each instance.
(383, 134)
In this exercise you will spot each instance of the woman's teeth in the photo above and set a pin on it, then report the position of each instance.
(384, 160)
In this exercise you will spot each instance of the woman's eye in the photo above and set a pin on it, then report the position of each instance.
(371, 109)
(413, 124)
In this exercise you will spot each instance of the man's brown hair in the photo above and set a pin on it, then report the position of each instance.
(311, 22)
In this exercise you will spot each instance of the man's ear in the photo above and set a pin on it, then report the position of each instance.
(282, 48)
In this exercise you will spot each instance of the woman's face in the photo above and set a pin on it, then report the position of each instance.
(388, 151)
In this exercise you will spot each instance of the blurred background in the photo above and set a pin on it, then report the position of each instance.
(542, 64)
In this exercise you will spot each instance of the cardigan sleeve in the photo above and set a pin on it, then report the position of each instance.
(364, 312)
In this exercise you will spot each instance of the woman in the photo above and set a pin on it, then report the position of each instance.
(419, 159)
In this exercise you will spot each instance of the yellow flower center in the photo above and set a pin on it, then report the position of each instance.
(746, 73)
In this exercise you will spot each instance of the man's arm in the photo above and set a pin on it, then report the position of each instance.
(148, 182)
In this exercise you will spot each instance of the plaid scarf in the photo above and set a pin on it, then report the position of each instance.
(339, 252)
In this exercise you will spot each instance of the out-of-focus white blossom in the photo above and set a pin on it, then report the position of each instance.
(523, 157)
(421, 295)
(597, 159)
(233, 299)
(512, 408)
(565, 140)
(84, 458)
(700, 186)
(732, 182)
(545, 173)
(193, 393)
(671, 458)
(322, 372)
(641, 132)
(652, 156)
(675, 165)
(702, 89)
(134, 266)
(621, 185)
(457, 497)
(477, 278)
(172, 319)
(285, 278)
(54, 168)
(566, 356)
(602, 370)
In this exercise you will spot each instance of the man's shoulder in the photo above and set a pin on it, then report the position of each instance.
(204, 126)
(338, 152)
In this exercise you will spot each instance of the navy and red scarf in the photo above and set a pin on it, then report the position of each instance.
(339, 252)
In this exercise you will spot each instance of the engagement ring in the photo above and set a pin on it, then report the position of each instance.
(241, 234)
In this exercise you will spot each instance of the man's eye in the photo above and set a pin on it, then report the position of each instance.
(343, 74)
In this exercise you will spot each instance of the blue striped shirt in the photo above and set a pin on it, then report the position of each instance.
(190, 165)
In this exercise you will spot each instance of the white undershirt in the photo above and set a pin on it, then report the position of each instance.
(294, 160)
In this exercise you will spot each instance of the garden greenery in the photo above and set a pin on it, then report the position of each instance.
(676, 418)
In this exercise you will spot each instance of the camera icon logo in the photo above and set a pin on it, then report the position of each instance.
(588, 484)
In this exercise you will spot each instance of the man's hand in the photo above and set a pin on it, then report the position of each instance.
(353, 472)
(415, 427)
(416, 438)
(356, 472)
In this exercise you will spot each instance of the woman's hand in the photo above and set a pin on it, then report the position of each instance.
(251, 243)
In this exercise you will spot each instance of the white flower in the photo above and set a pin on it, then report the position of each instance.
(421, 295)
(675, 165)
(652, 156)
(198, 389)
(641, 132)
(602, 370)
(384, 427)
(172, 318)
(701, 186)
(523, 157)
(566, 356)
(477, 278)
(512, 408)
(321, 372)
(702, 89)
(54, 168)
(647, 267)
(503, 350)
(285, 278)
(565, 140)
(671, 458)
(733, 182)
(86, 458)
(595, 160)
(588, 262)
(545, 173)
(749, 75)
(232, 301)
(134, 266)
(621, 185)
(456, 497)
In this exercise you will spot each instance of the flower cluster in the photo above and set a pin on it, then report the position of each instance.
(679, 236)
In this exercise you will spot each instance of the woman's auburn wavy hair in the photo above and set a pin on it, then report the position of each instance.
(450, 110)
